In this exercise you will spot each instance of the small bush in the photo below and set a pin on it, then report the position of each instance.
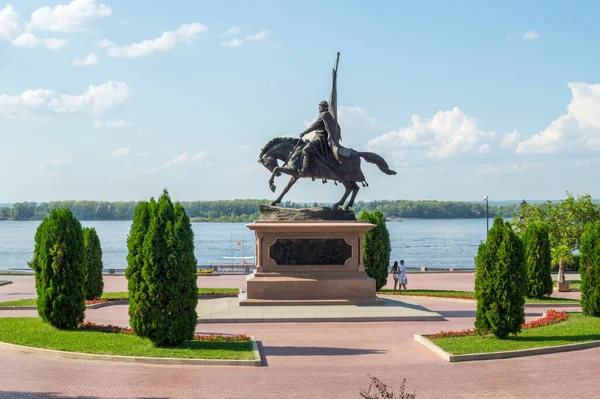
(538, 260)
(590, 270)
(94, 285)
(60, 265)
(500, 282)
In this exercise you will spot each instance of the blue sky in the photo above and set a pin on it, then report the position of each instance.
(112, 100)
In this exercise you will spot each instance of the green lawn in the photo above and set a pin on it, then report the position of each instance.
(576, 329)
(124, 295)
(573, 284)
(468, 295)
(33, 332)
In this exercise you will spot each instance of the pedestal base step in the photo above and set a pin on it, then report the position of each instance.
(311, 302)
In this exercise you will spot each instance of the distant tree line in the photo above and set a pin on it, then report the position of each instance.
(246, 210)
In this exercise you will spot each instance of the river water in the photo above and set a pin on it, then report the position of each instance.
(433, 243)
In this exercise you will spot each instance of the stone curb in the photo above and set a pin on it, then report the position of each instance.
(257, 362)
(324, 319)
(503, 355)
(5, 283)
(532, 305)
(117, 302)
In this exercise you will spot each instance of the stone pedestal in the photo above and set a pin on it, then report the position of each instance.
(310, 263)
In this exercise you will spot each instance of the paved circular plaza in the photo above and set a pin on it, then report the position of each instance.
(305, 360)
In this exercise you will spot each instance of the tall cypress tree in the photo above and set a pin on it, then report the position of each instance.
(138, 291)
(60, 265)
(94, 285)
(589, 270)
(165, 286)
(500, 282)
(376, 248)
(538, 260)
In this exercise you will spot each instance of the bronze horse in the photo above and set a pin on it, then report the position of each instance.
(289, 151)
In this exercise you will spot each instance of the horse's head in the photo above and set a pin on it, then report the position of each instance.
(277, 149)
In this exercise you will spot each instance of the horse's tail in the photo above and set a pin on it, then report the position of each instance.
(371, 157)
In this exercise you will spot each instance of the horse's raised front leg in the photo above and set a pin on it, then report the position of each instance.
(346, 193)
(355, 189)
(292, 181)
(277, 172)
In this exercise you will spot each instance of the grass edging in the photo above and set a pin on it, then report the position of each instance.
(5, 283)
(532, 305)
(257, 362)
(422, 339)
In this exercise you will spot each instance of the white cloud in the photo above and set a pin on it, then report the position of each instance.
(260, 35)
(166, 42)
(587, 162)
(143, 154)
(28, 39)
(233, 43)
(105, 43)
(95, 100)
(506, 169)
(233, 30)
(578, 129)
(46, 164)
(112, 124)
(531, 35)
(90, 59)
(73, 17)
(483, 149)
(120, 152)
(10, 22)
(446, 134)
(185, 158)
(509, 140)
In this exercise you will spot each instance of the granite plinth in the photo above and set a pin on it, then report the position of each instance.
(314, 262)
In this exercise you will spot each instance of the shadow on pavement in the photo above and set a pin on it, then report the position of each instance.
(472, 313)
(316, 351)
(54, 395)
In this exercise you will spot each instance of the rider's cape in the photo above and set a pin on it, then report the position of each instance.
(334, 137)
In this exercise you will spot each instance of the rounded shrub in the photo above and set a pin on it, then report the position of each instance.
(59, 263)
(94, 285)
(376, 248)
(538, 260)
(590, 270)
(500, 282)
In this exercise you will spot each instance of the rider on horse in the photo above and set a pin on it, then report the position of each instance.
(326, 140)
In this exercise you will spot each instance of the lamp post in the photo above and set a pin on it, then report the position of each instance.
(487, 212)
(523, 205)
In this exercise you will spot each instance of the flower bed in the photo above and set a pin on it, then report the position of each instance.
(91, 326)
(552, 317)
(104, 300)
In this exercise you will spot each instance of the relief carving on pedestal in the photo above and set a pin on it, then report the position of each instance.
(310, 252)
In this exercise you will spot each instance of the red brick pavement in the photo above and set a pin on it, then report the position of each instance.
(308, 360)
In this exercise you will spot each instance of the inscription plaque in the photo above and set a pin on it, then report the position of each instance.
(310, 251)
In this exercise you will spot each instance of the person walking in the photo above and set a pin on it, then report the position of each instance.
(402, 276)
(395, 274)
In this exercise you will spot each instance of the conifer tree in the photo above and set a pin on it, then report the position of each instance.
(94, 284)
(376, 248)
(590, 270)
(162, 277)
(538, 260)
(500, 282)
(60, 265)
(138, 291)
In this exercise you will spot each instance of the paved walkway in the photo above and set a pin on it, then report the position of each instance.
(309, 360)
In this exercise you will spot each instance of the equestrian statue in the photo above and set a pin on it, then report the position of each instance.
(323, 157)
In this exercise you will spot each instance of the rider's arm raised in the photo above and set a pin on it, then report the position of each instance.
(316, 125)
